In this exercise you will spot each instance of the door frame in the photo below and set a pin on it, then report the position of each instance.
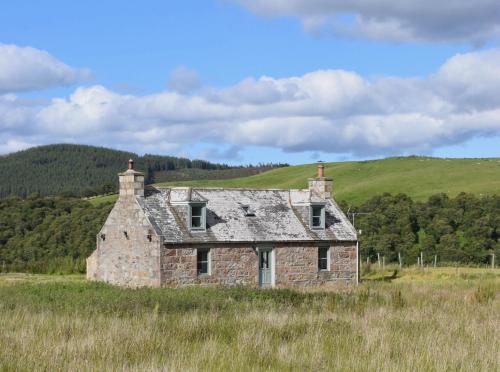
(268, 248)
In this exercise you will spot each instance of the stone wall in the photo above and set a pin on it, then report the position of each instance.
(238, 265)
(129, 259)
(321, 187)
(299, 265)
(131, 184)
(344, 262)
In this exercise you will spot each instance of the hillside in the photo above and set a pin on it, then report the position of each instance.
(87, 170)
(358, 181)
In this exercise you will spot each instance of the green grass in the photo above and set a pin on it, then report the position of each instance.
(444, 319)
(356, 182)
(98, 200)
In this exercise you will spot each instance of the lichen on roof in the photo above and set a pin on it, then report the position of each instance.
(274, 217)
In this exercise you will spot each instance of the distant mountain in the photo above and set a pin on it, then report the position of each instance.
(82, 170)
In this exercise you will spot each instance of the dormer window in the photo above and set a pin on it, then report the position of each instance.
(197, 216)
(317, 216)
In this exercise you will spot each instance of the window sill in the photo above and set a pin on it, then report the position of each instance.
(204, 275)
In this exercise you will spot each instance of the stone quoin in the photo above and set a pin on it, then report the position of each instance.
(214, 236)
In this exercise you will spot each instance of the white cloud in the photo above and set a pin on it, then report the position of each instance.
(12, 145)
(400, 21)
(26, 68)
(331, 111)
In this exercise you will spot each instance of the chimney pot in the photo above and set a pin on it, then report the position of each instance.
(130, 164)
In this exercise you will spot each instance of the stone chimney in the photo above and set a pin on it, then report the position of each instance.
(320, 185)
(131, 182)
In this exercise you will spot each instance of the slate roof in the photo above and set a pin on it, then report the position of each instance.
(274, 216)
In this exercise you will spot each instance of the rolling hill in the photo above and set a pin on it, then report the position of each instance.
(358, 181)
(81, 170)
(86, 170)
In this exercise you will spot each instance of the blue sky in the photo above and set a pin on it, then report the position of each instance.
(185, 78)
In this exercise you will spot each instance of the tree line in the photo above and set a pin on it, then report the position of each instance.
(57, 234)
(48, 234)
(464, 229)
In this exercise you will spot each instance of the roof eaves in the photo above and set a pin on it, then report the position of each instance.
(258, 242)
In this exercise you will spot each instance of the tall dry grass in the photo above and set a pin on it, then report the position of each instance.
(428, 323)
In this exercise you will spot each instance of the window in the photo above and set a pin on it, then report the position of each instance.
(317, 217)
(197, 217)
(247, 211)
(323, 259)
(203, 262)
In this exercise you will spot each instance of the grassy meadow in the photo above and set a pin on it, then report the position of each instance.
(432, 319)
(358, 181)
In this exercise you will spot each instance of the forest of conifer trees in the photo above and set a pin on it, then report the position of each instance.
(80, 170)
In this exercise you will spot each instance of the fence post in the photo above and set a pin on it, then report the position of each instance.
(383, 262)
(493, 260)
(418, 261)
(399, 259)
(435, 260)
(422, 259)
(378, 257)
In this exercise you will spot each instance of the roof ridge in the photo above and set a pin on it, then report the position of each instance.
(226, 188)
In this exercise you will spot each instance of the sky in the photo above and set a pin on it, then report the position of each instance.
(241, 81)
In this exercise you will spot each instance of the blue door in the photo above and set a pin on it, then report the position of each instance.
(265, 268)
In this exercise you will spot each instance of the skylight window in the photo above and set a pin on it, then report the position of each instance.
(248, 212)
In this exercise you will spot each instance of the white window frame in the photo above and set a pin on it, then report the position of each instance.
(322, 216)
(328, 265)
(209, 262)
(203, 217)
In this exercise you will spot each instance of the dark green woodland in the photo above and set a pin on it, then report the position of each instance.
(464, 229)
(80, 170)
(48, 234)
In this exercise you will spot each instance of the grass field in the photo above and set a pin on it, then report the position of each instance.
(355, 182)
(98, 200)
(444, 319)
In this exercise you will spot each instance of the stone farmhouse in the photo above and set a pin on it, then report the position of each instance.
(215, 236)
